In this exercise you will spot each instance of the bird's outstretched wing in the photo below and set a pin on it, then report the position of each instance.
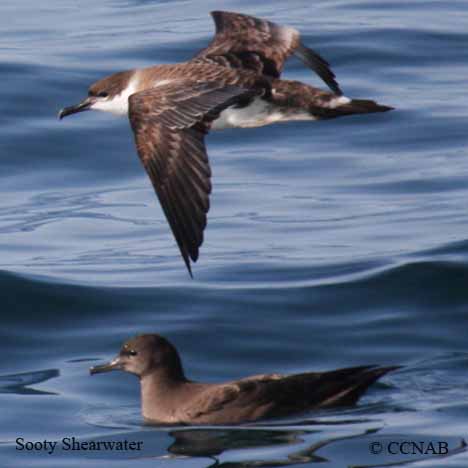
(170, 123)
(260, 45)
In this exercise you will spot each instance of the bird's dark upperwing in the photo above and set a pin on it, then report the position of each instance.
(276, 395)
(170, 123)
(262, 46)
(230, 403)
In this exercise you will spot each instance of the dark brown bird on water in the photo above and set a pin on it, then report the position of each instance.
(168, 397)
(234, 82)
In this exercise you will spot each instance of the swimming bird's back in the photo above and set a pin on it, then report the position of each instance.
(267, 396)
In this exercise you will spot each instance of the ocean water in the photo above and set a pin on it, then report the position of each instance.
(329, 244)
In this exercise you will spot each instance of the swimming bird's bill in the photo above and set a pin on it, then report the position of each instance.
(115, 364)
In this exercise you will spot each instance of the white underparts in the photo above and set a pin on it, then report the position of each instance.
(257, 114)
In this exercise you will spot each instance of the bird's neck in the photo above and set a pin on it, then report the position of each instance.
(159, 390)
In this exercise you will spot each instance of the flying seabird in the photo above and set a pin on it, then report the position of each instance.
(234, 82)
(168, 397)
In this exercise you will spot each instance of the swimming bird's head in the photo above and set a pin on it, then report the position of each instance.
(109, 94)
(144, 355)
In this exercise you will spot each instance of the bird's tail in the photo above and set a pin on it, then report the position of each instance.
(344, 387)
(361, 106)
(317, 390)
(333, 106)
(299, 99)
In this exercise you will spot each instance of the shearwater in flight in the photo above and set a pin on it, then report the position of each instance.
(234, 82)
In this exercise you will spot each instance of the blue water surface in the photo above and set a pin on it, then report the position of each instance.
(330, 244)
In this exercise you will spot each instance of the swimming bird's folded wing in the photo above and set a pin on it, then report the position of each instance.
(276, 395)
(243, 41)
(341, 387)
(229, 403)
(170, 123)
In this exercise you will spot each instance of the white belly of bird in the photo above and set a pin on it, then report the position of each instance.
(257, 114)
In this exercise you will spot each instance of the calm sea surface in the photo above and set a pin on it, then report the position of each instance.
(329, 244)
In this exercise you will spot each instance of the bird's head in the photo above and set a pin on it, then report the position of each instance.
(144, 355)
(108, 94)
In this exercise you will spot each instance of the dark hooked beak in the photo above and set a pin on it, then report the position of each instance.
(82, 106)
(115, 364)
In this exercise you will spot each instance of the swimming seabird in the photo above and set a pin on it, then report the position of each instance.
(234, 82)
(168, 397)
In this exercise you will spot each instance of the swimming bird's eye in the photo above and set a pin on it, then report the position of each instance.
(132, 352)
(103, 94)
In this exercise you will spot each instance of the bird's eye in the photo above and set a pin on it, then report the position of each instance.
(132, 352)
(103, 94)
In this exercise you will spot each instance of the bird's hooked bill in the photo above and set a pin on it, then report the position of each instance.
(115, 364)
(82, 106)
